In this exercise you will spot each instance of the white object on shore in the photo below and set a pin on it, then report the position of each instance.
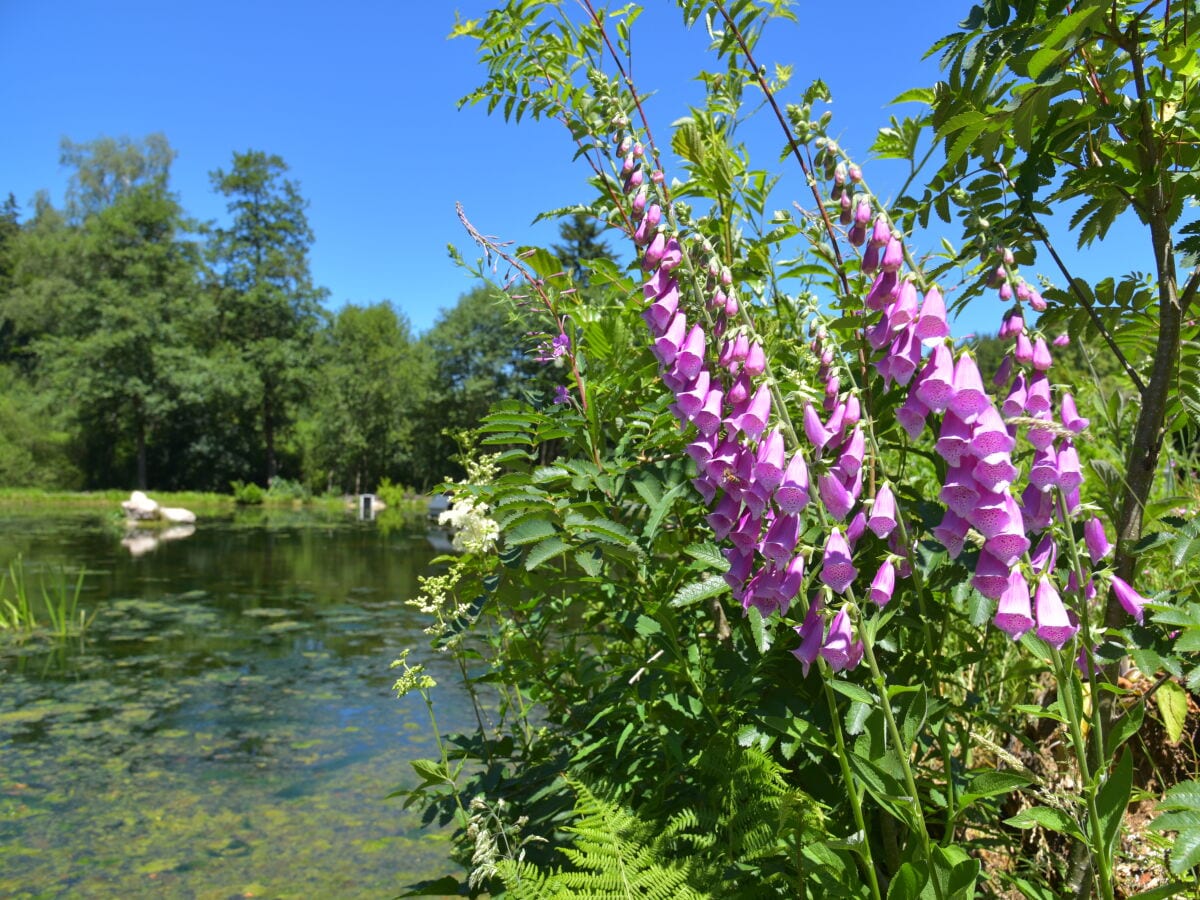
(141, 508)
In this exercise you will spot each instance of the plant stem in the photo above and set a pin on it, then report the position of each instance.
(1100, 859)
(848, 779)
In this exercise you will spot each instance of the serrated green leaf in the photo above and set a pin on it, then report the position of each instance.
(547, 549)
(707, 554)
(529, 531)
(646, 626)
(693, 593)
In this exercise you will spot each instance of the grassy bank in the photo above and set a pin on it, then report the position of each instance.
(196, 501)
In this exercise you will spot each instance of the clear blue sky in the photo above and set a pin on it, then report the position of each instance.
(360, 99)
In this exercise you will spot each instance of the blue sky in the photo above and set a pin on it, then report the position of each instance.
(360, 99)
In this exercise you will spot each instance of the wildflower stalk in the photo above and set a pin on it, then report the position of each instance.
(848, 779)
(1100, 858)
(902, 746)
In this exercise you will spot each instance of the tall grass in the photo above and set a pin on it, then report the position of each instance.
(60, 603)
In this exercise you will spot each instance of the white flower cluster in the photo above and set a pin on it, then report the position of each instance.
(474, 532)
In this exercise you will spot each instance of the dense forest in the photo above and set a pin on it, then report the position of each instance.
(139, 347)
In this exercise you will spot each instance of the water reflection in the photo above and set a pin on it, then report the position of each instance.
(140, 541)
(226, 725)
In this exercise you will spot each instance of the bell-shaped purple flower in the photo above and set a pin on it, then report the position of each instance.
(952, 532)
(792, 494)
(691, 401)
(1043, 474)
(834, 495)
(990, 514)
(706, 489)
(995, 472)
(1041, 433)
(893, 254)
(935, 385)
(668, 344)
(902, 311)
(904, 356)
(1010, 542)
(883, 291)
(837, 569)
(745, 533)
(883, 584)
(856, 529)
(990, 436)
(851, 459)
(816, 432)
(722, 519)
(812, 634)
(1037, 508)
(931, 323)
(954, 439)
(756, 360)
(739, 392)
(740, 564)
(791, 581)
(1003, 371)
(1131, 601)
(1042, 360)
(1024, 349)
(1071, 419)
(1045, 555)
(961, 491)
(840, 650)
(970, 399)
(1037, 396)
(1014, 403)
(754, 419)
(880, 232)
(1096, 540)
(883, 512)
(769, 460)
(690, 357)
(1054, 625)
(781, 539)
(1014, 615)
(1070, 477)
(708, 418)
(911, 416)
(991, 576)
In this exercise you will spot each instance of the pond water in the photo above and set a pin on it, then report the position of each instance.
(226, 727)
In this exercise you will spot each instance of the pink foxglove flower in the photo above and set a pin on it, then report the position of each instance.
(1003, 371)
(970, 398)
(883, 512)
(893, 254)
(840, 650)
(856, 528)
(1037, 397)
(812, 634)
(756, 361)
(668, 344)
(991, 576)
(883, 584)
(818, 435)
(883, 291)
(690, 357)
(1070, 477)
(708, 418)
(1071, 419)
(881, 234)
(1096, 540)
(691, 401)
(1024, 349)
(931, 323)
(990, 514)
(726, 514)
(837, 569)
(781, 539)
(961, 491)
(851, 459)
(935, 385)
(1042, 359)
(1014, 403)
(792, 494)
(1054, 625)
(989, 435)
(1014, 615)
(1011, 542)
(1041, 433)
(769, 461)
(911, 416)
(754, 419)
(903, 310)
(1131, 601)
(1043, 474)
(835, 497)
(954, 439)
(952, 532)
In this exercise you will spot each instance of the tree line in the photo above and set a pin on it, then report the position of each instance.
(140, 347)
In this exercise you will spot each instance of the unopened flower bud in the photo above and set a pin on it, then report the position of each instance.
(855, 173)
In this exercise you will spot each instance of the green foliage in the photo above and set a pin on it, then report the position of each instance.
(247, 494)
